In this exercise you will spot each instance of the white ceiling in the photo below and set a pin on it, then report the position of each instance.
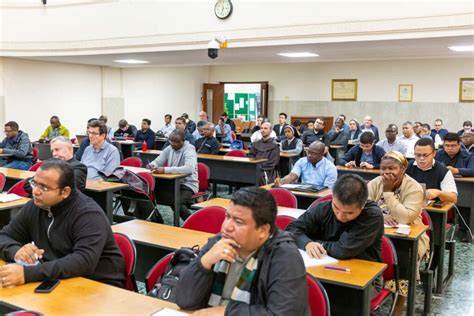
(368, 50)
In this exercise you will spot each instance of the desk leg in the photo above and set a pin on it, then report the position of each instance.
(177, 205)
(439, 220)
(413, 253)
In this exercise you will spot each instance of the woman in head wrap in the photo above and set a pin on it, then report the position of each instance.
(401, 199)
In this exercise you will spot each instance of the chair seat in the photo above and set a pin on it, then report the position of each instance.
(376, 301)
(198, 194)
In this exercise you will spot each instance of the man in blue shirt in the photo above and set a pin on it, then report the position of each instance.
(438, 132)
(99, 155)
(392, 142)
(314, 169)
(146, 134)
(224, 131)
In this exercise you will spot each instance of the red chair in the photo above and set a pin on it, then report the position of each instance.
(317, 298)
(284, 197)
(389, 257)
(36, 166)
(35, 153)
(129, 253)
(131, 162)
(18, 189)
(208, 219)
(283, 220)
(236, 153)
(2, 181)
(203, 176)
(324, 198)
(156, 272)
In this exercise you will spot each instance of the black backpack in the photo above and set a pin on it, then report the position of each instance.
(165, 287)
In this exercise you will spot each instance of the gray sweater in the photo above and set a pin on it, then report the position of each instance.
(183, 160)
(19, 146)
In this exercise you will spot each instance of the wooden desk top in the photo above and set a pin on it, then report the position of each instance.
(102, 186)
(16, 173)
(464, 179)
(81, 296)
(5, 155)
(157, 175)
(416, 230)
(14, 204)
(293, 212)
(226, 150)
(446, 207)
(234, 159)
(149, 151)
(286, 154)
(336, 146)
(127, 142)
(164, 236)
(361, 275)
(316, 195)
(360, 170)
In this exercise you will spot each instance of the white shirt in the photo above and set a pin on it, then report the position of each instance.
(448, 184)
(410, 144)
(258, 135)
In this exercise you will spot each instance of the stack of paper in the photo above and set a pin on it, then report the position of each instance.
(8, 197)
(311, 262)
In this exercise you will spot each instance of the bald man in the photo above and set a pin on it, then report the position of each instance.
(313, 169)
(208, 144)
(368, 126)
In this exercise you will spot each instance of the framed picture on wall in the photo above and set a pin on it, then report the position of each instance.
(405, 92)
(466, 90)
(344, 90)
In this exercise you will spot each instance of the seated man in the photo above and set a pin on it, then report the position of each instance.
(110, 131)
(55, 129)
(260, 120)
(125, 129)
(338, 135)
(364, 155)
(279, 129)
(190, 124)
(180, 157)
(437, 177)
(223, 131)
(199, 133)
(314, 168)
(228, 121)
(250, 268)
(368, 126)
(317, 133)
(424, 131)
(146, 134)
(63, 229)
(392, 143)
(100, 155)
(17, 144)
(438, 132)
(266, 148)
(208, 144)
(346, 227)
(180, 123)
(468, 142)
(409, 138)
(466, 127)
(168, 127)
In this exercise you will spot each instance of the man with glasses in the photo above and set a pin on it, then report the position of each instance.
(99, 155)
(437, 177)
(316, 134)
(392, 143)
(18, 145)
(313, 169)
(364, 155)
(59, 234)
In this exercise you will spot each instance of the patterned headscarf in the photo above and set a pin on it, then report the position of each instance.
(398, 156)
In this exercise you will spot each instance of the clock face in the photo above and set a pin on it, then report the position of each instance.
(223, 9)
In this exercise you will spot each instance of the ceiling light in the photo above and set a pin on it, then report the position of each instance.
(299, 55)
(464, 48)
(131, 61)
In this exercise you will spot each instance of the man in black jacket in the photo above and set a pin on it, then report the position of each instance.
(250, 268)
(279, 128)
(60, 234)
(208, 144)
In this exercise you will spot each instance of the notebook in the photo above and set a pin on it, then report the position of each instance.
(303, 187)
(311, 262)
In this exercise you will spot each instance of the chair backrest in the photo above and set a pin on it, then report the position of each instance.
(18, 189)
(317, 297)
(129, 253)
(36, 166)
(203, 176)
(283, 220)
(35, 153)
(2, 181)
(234, 137)
(236, 153)
(426, 220)
(157, 271)
(150, 180)
(324, 198)
(389, 257)
(284, 197)
(208, 219)
(131, 162)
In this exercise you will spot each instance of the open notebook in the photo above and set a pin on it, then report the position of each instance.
(9, 197)
(311, 262)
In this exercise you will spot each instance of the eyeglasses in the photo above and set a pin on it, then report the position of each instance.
(423, 155)
(93, 133)
(42, 187)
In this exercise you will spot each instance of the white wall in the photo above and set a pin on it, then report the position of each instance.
(34, 91)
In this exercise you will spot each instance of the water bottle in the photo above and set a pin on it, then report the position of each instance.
(144, 146)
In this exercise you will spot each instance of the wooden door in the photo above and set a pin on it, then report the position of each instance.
(212, 98)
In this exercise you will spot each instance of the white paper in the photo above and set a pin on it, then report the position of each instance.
(252, 105)
(168, 312)
(9, 197)
(231, 96)
(396, 226)
(290, 186)
(311, 262)
(236, 106)
(242, 102)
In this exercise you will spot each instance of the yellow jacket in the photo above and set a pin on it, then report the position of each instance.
(50, 133)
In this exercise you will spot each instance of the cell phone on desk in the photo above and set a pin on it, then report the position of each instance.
(47, 286)
(437, 203)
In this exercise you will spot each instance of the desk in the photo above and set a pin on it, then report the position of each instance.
(465, 186)
(166, 182)
(153, 241)
(407, 252)
(103, 193)
(233, 170)
(15, 175)
(288, 211)
(8, 209)
(127, 147)
(366, 174)
(147, 156)
(304, 198)
(81, 296)
(349, 291)
(439, 218)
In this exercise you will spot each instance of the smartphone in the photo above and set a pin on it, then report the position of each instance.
(46, 286)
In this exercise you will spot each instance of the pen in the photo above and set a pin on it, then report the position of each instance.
(338, 269)
(36, 256)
